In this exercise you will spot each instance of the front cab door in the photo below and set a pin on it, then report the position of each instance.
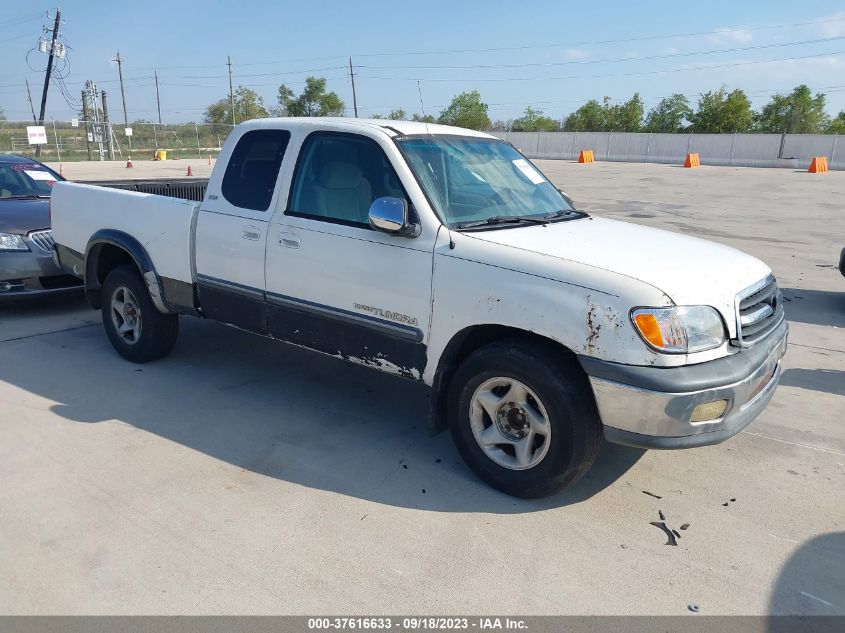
(335, 284)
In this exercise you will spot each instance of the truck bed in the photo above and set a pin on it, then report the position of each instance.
(187, 189)
(162, 224)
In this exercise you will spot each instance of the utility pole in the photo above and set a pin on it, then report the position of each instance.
(31, 106)
(85, 117)
(91, 88)
(354, 96)
(231, 92)
(158, 104)
(48, 73)
(123, 99)
(107, 124)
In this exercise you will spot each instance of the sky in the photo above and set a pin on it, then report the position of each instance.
(548, 54)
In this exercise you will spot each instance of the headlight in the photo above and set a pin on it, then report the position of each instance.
(12, 242)
(680, 329)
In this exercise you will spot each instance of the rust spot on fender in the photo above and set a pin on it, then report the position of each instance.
(593, 327)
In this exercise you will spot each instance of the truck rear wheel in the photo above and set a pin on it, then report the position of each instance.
(135, 327)
(524, 420)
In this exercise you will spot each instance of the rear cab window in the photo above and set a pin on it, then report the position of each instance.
(253, 168)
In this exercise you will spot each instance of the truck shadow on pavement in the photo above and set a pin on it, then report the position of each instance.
(816, 307)
(826, 380)
(280, 411)
(811, 582)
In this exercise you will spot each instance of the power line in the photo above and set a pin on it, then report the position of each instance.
(715, 32)
(721, 31)
(618, 59)
(604, 76)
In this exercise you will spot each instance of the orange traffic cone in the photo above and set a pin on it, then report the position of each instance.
(692, 160)
(818, 165)
(129, 164)
(586, 156)
(190, 171)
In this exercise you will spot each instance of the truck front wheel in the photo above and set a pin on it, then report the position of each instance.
(524, 419)
(136, 329)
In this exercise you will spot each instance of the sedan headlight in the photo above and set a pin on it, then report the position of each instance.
(680, 329)
(12, 242)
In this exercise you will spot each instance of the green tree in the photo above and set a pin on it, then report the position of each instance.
(394, 115)
(466, 110)
(670, 115)
(534, 121)
(248, 105)
(590, 117)
(837, 125)
(796, 113)
(2, 114)
(722, 112)
(423, 118)
(314, 100)
(624, 117)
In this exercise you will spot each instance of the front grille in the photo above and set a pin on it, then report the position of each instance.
(759, 310)
(43, 240)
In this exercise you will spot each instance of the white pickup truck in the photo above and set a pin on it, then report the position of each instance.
(443, 255)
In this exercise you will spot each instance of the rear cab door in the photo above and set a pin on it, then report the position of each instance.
(232, 226)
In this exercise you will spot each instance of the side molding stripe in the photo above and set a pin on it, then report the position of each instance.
(387, 328)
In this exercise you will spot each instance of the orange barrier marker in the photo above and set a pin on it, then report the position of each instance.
(190, 171)
(818, 165)
(586, 156)
(692, 160)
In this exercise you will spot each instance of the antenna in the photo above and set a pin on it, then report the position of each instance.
(422, 105)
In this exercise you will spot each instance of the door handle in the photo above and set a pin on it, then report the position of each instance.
(250, 232)
(290, 240)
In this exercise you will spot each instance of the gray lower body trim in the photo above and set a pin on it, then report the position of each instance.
(231, 286)
(394, 330)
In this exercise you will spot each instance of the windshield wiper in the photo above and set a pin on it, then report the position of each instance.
(565, 213)
(502, 219)
(26, 196)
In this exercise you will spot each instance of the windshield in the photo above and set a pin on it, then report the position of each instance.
(472, 179)
(23, 180)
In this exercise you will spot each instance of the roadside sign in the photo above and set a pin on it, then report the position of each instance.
(74, 122)
(36, 134)
(90, 137)
(128, 131)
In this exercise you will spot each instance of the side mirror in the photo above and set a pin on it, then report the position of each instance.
(390, 215)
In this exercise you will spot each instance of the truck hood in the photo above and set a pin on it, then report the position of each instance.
(23, 216)
(690, 271)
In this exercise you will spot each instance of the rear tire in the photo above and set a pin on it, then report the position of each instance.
(524, 418)
(135, 327)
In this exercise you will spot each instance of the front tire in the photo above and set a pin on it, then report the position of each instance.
(523, 418)
(135, 327)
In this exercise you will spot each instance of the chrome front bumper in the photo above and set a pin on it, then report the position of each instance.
(651, 407)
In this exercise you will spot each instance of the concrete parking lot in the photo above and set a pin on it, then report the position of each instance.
(244, 476)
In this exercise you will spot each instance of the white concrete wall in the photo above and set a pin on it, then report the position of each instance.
(741, 150)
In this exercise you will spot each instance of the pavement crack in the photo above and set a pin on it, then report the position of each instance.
(70, 329)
